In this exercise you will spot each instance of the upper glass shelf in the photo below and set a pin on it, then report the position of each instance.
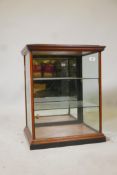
(61, 78)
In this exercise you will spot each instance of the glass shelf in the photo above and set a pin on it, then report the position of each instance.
(49, 103)
(63, 78)
(62, 105)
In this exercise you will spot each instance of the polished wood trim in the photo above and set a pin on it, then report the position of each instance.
(63, 141)
(67, 138)
(100, 93)
(25, 89)
(60, 47)
(67, 143)
(32, 96)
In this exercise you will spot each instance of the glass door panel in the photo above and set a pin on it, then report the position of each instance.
(63, 89)
(91, 117)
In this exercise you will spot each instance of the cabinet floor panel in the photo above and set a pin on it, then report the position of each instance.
(62, 131)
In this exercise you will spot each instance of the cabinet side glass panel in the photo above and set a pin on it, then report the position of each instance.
(90, 84)
(90, 92)
(90, 66)
(91, 118)
(28, 92)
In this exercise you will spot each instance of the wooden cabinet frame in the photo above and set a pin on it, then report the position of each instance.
(67, 140)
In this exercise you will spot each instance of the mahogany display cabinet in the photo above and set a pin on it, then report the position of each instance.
(63, 95)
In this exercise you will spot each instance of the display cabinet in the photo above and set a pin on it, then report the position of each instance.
(63, 96)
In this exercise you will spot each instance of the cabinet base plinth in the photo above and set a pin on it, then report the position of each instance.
(61, 142)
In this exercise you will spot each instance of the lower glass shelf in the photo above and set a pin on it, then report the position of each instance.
(50, 103)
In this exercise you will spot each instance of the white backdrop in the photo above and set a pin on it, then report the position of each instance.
(52, 21)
